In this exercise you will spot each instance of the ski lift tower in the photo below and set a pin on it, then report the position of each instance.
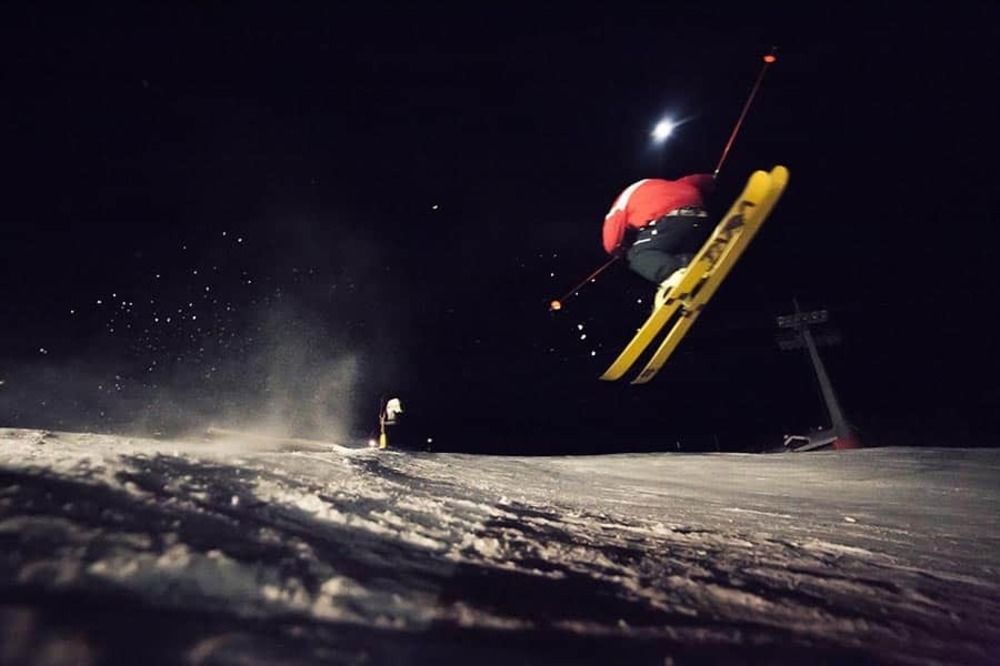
(839, 436)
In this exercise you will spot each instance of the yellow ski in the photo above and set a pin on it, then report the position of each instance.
(693, 303)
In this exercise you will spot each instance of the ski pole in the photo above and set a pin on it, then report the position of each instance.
(557, 304)
(768, 59)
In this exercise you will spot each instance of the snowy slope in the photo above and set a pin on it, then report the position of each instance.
(199, 552)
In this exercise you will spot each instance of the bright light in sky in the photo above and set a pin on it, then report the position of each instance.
(663, 129)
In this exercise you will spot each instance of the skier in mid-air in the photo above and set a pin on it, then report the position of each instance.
(658, 225)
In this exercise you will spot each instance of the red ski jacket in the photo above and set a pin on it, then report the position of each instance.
(650, 199)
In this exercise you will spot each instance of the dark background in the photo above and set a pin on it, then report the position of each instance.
(335, 204)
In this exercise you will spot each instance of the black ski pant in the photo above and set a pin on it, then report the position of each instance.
(666, 244)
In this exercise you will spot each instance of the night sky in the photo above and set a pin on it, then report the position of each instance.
(235, 213)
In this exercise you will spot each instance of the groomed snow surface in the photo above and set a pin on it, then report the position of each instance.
(125, 550)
